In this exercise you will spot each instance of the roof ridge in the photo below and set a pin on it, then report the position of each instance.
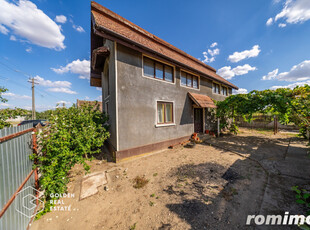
(103, 9)
(99, 10)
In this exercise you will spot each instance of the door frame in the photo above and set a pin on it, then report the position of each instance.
(201, 122)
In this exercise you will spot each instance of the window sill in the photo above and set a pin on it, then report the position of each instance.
(164, 125)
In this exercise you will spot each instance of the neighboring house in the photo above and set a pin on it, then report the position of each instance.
(92, 103)
(155, 94)
(15, 121)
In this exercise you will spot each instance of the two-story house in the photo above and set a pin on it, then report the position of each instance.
(155, 94)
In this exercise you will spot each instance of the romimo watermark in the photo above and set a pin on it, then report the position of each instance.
(27, 202)
(286, 219)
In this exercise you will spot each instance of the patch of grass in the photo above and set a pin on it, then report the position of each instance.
(133, 227)
(157, 197)
(229, 193)
(155, 174)
(151, 203)
(264, 131)
(152, 195)
(140, 182)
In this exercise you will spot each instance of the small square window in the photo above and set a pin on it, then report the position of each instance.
(164, 112)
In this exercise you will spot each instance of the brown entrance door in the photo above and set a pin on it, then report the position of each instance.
(198, 122)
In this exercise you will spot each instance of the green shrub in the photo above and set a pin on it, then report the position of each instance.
(72, 136)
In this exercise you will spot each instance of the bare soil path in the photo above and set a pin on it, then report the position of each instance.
(201, 188)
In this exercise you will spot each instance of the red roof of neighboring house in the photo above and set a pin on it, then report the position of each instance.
(95, 104)
(202, 101)
(110, 22)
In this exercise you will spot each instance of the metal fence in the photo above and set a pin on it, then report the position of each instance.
(16, 174)
(264, 122)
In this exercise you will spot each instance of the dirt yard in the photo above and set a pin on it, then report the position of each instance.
(204, 187)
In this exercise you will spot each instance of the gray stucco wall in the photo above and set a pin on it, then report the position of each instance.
(137, 98)
(111, 97)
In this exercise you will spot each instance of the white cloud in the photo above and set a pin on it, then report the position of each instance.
(209, 56)
(3, 30)
(300, 72)
(87, 98)
(228, 73)
(99, 88)
(61, 90)
(238, 56)
(240, 91)
(27, 21)
(282, 25)
(61, 103)
(276, 1)
(99, 98)
(292, 86)
(241, 70)
(13, 38)
(271, 75)
(295, 11)
(29, 50)
(61, 19)
(77, 67)
(214, 52)
(15, 96)
(213, 44)
(5, 105)
(49, 83)
(269, 21)
(78, 28)
(39, 107)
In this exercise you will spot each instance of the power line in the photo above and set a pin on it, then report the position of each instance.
(28, 76)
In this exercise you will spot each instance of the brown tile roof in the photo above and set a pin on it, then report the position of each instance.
(202, 101)
(110, 22)
(92, 103)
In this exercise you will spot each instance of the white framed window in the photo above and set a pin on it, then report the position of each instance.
(189, 80)
(216, 88)
(157, 70)
(224, 90)
(165, 113)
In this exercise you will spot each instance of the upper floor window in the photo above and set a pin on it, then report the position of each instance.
(155, 69)
(216, 88)
(224, 91)
(189, 80)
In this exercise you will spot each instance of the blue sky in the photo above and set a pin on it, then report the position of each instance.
(254, 44)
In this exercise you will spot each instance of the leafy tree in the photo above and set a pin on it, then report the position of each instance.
(7, 113)
(3, 90)
(287, 104)
(72, 136)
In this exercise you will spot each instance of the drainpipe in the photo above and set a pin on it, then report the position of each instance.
(218, 127)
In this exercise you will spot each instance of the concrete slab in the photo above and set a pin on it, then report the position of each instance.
(90, 184)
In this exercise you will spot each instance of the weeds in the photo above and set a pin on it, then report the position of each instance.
(151, 203)
(133, 227)
(140, 182)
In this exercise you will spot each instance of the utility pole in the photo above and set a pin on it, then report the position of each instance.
(32, 81)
